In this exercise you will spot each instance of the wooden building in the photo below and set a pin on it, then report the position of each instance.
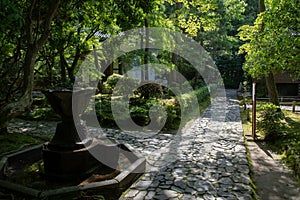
(287, 86)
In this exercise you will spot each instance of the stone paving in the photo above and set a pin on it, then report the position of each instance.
(206, 160)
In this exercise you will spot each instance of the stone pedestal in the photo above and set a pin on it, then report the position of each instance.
(79, 164)
(68, 164)
(67, 156)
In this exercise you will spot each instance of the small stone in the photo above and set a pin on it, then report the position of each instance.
(230, 169)
(180, 183)
(160, 197)
(243, 161)
(155, 183)
(203, 186)
(140, 195)
(242, 188)
(142, 185)
(243, 168)
(150, 195)
(191, 191)
(225, 181)
(187, 197)
(168, 193)
(177, 189)
(208, 197)
(191, 178)
(164, 186)
(243, 196)
(132, 193)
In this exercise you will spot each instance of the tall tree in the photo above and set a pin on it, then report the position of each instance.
(34, 32)
(214, 25)
(269, 77)
(273, 42)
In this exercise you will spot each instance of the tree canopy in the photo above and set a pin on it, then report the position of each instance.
(43, 42)
(273, 41)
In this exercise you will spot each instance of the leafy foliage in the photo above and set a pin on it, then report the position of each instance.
(270, 121)
(124, 85)
(78, 26)
(150, 90)
(292, 157)
(273, 41)
(139, 108)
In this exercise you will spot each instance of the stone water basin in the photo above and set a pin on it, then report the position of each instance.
(22, 173)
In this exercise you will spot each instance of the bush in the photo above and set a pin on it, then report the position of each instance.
(202, 94)
(103, 111)
(112, 80)
(270, 121)
(292, 157)
(150, 90)
(126, 84)
(139, 108)
(40, 110)
(173, 113)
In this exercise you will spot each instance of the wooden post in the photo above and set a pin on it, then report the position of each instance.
(294, 106)
(254, 110)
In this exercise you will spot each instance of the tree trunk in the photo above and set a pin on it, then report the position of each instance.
(74, 64)
(174, 56)
(272, 90)
(146, 55)
(16, 108)
(96, 58)
(142, 59)
(35, 41)
(120, 66)
(271, 85)
(63, 66)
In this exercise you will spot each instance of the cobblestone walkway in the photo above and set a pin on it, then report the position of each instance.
(206, 160)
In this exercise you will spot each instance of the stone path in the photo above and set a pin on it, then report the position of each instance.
(206, 160)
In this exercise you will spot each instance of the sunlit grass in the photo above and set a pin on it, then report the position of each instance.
(246, 121)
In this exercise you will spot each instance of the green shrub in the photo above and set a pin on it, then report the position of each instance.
(270, 121)
(150, 90)
(125, 85)
(139, 108)
(103, 111)
(113, 80)
(202, 94)
(173, 114)
(40, 113)
(139, 115)
(292, 157)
